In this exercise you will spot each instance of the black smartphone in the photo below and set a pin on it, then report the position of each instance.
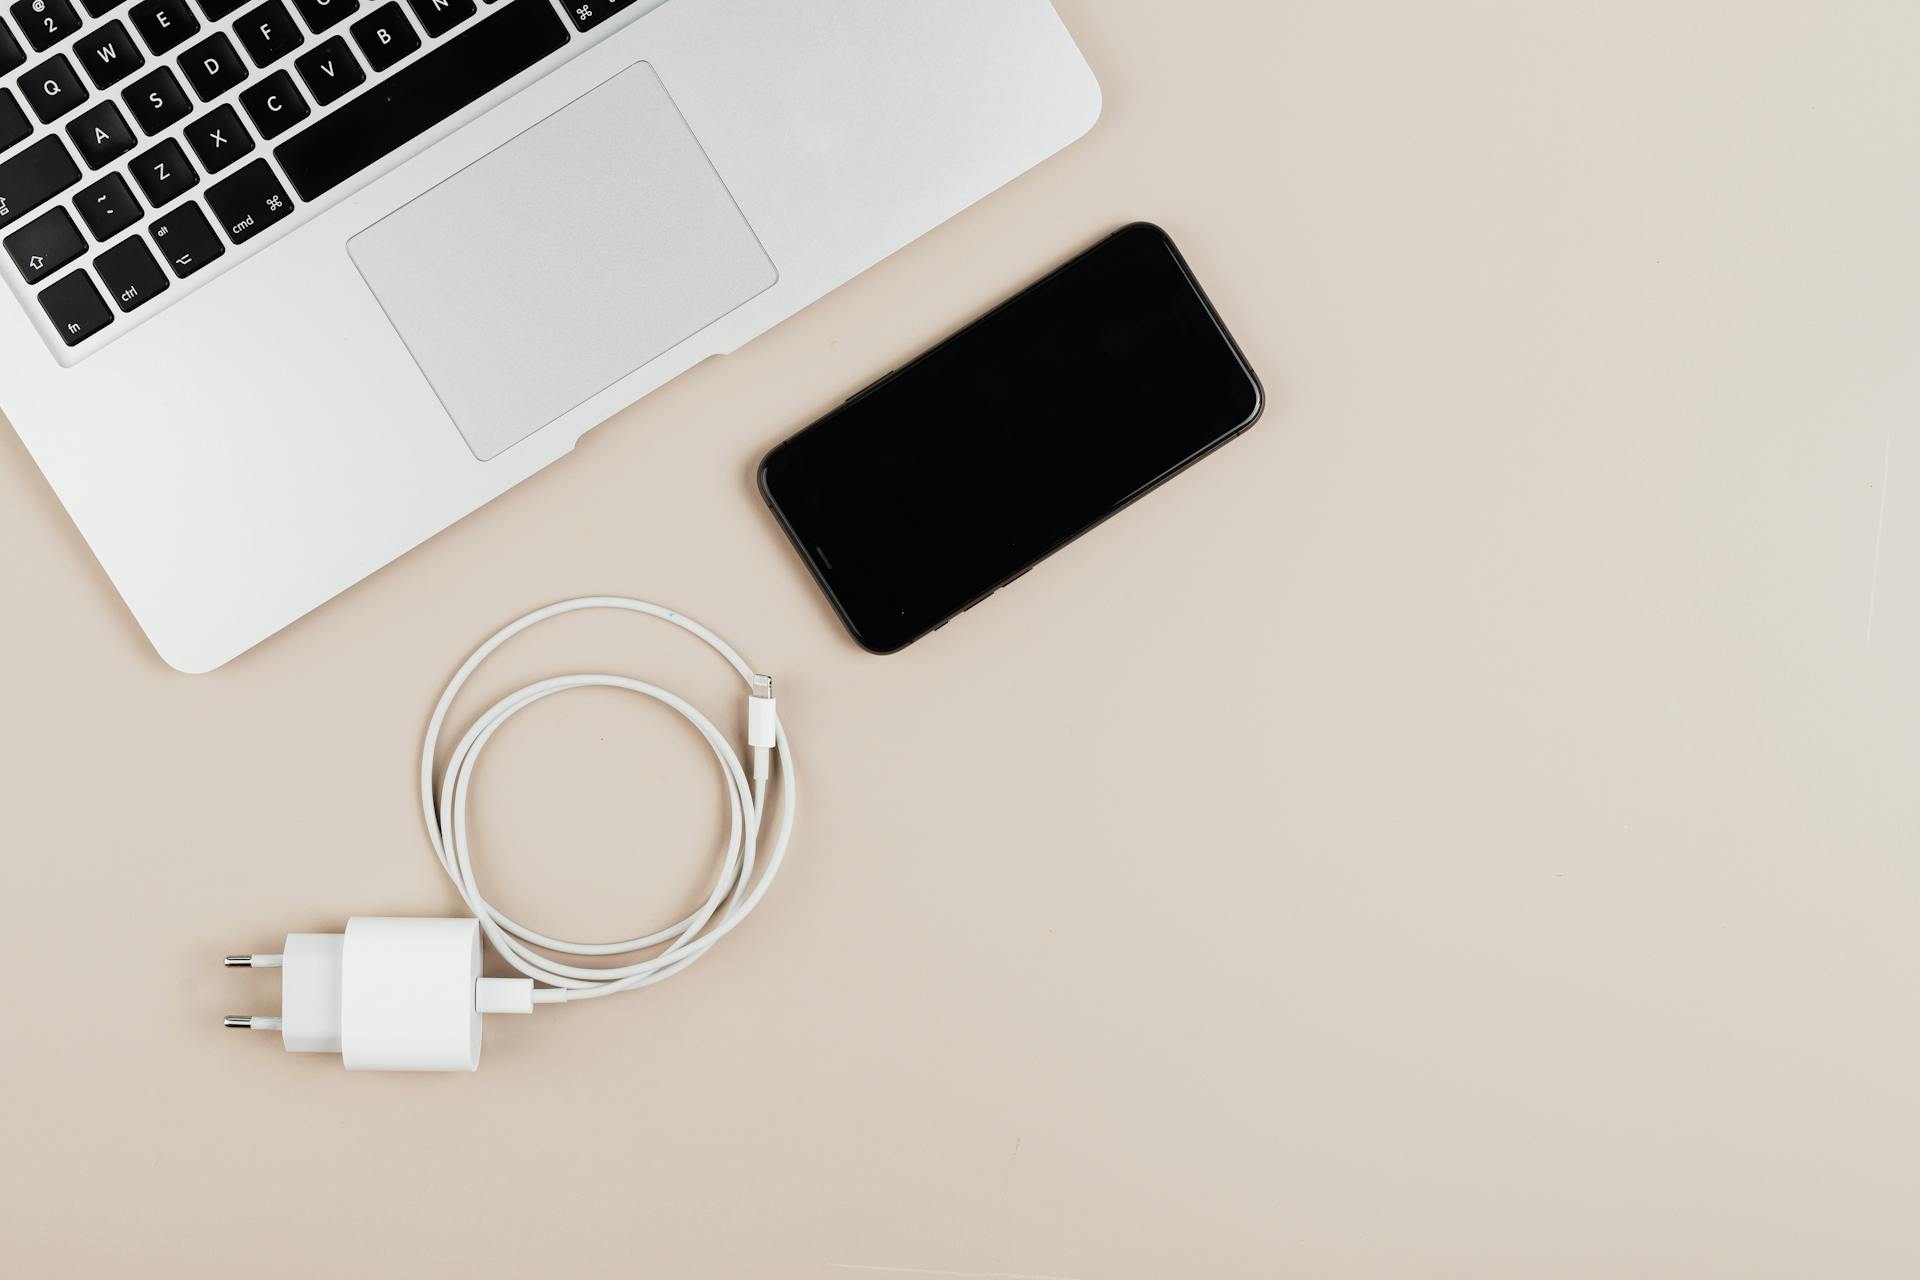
(955, 474)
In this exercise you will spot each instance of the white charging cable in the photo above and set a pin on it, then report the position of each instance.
(407, 994)
(735, 890)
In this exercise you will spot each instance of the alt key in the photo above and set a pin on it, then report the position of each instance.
(186, 239)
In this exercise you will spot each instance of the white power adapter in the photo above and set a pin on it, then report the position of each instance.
(406, 994)
(387, 994)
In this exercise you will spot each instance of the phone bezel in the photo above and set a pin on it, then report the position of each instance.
(822, 575)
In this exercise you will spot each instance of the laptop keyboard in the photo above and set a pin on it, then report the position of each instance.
(140, 147)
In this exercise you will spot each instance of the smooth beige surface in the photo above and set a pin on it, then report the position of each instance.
(1467, 828)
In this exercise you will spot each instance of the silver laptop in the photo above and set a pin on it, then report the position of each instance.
(296, 284)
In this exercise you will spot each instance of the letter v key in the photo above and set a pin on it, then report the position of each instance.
(330, 71)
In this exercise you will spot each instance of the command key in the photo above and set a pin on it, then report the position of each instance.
(249, 202)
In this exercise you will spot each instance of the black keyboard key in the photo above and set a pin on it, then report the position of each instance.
(330, 70)
(164, 173)
(11, 54)
(164, 24)
(186, 239)
(452, 75)
(33, 177)
(107, 207)
(385, 36)
(218, 9)
(213, 66)
(441, 16)
(249, 202)
(52, 89)
(45, 245)
(588, 14)
(99, 8)
(130, 273)
(219, 138)
(100, 134)
(274, 105)
(320, 15)
(45, 23)
(157, 100)
(13, 121)
(76, 308)
(109, 54)
(269, 32)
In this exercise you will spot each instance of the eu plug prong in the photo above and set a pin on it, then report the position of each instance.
(241, 1023)
(252, 962)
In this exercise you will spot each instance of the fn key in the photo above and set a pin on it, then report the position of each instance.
(76, 308)
(248, 202)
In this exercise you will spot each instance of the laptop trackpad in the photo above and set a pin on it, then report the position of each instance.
(557, 264)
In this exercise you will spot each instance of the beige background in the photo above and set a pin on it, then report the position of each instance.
(1467, 828)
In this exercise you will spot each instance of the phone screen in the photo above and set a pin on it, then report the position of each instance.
(958, 472)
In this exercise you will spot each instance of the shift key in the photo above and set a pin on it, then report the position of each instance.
(34, 177)
(248, 202)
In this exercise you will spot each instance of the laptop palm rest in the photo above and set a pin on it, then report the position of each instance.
(563, 260)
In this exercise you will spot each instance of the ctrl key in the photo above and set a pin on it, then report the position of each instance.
(130, 273)
(76, 308)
